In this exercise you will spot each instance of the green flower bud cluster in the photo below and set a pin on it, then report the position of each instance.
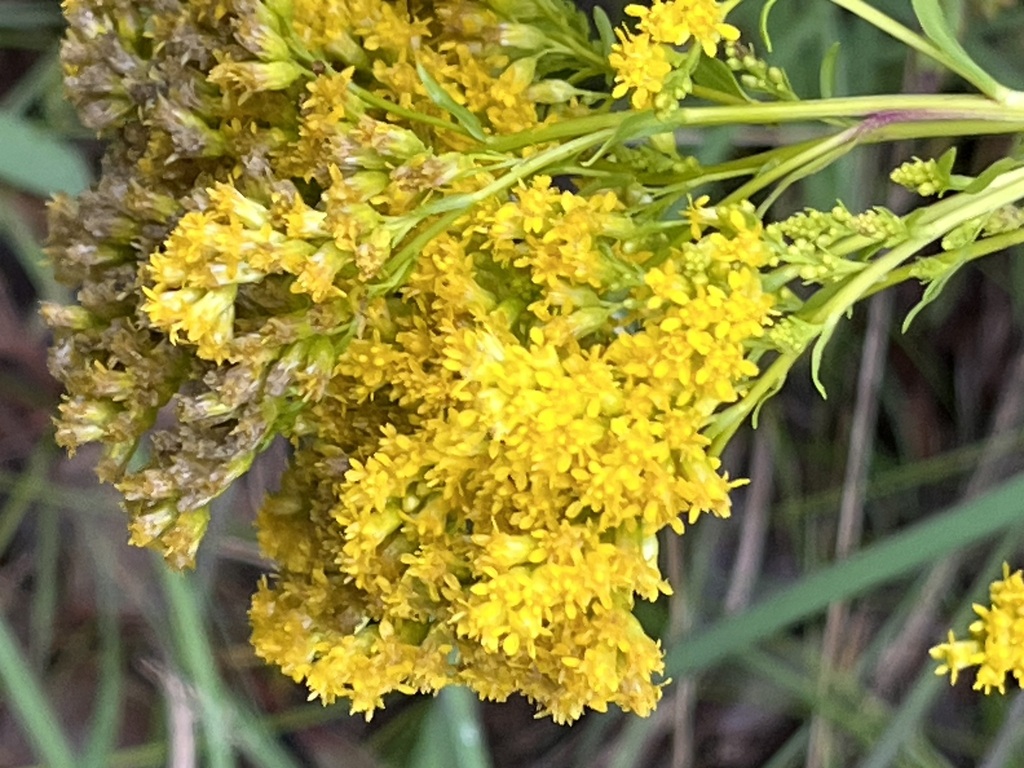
(1007, 218)
(879, 225)
(925, 177)
(791, 335)
(651, 159)
(755, 74)
(818, 241)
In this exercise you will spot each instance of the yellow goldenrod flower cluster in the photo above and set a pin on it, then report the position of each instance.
(434, 251)
(996, 643)
(499, 449)
(494, 377)
(252, 194)
(647, 63)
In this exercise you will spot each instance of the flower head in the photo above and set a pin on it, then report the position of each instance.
(495, 381)
(676, 21)
(641, 65)
(996, 642)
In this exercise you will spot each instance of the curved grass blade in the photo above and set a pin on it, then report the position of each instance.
(29, 705)
(452, 735)
(37, 161)
(935, 25)
(959, 527)
(107, 710)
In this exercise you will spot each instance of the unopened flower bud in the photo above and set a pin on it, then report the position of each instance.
(387, 139)
(85, 421)
(525, 36)
(71, 318)
(553, 92)
(253, 77)
(588, 320)
(522, 72)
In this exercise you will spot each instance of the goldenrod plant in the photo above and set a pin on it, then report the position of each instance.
(453, 254)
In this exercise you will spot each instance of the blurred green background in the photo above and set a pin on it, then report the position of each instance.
(108, 660)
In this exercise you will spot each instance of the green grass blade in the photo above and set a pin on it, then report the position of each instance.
(452, 735)
(954, 529)
(29, 705)
(905, 723)
(107, 711)
(37, 161)
(900, 553)
(226, 723)
(44, 76)
(44, 596)
(23, 490)
(196, 657)
(29, 14)
(792, 752)
(258, 742)
(30, 255)
(461, 710)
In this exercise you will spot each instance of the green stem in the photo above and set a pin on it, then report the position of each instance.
(927, 226)
(456, 205)
(716, 96)
(972, 74)
(409, 114)
(828, 150)
(522, 170)
(968, 253)
(813, 158)
(726, 422)
(574, 47)
(896, 109)
(402, 262)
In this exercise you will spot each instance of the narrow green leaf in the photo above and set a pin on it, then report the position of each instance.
(715, 73)
(103, 729)
(818, 350)
(990, 174)
(892, 558)
(946, 161)
(27, 701)
(443, 99)
(763, 24)
(36, 161)
(625, 128)
(933, 21)
(933, 289)
(604, 30)
(452, 735)
(827, 72)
